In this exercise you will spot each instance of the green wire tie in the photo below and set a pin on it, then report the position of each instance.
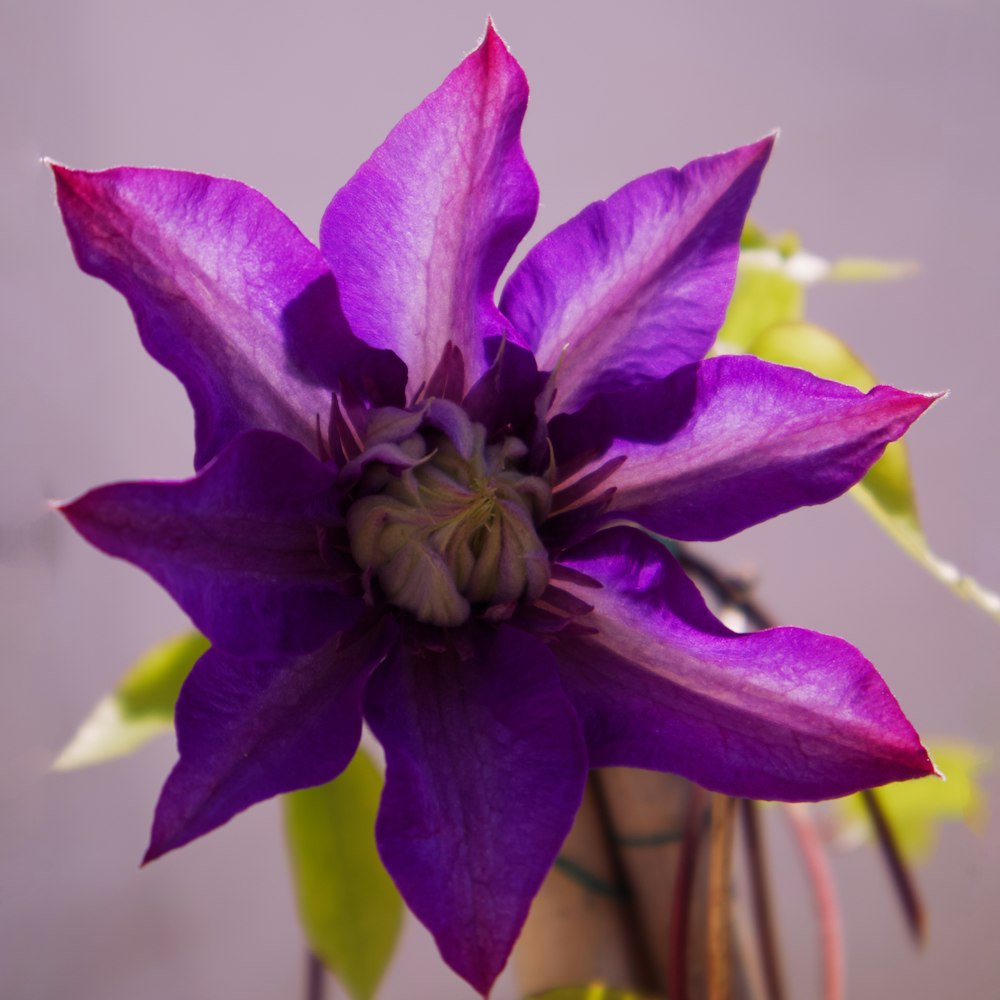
(590, 881)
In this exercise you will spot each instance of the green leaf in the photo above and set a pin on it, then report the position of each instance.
(916, 809)
(886, 492)
(766, 318)
(755, 238)
(140, 707)
(870, 269)
(350, 910)
(763, 297)
(784, 251)
(594, 991)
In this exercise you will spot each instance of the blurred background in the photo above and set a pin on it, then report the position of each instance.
(889, 148)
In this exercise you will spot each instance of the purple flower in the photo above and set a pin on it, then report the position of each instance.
(423, 510)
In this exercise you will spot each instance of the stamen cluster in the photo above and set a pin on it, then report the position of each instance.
(445, 521)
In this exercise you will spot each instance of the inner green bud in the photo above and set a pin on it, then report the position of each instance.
(453, 529)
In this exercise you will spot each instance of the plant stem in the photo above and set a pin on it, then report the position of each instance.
(826, 899)
(641, 956)
(315, 977)
(902, 878)
(718, 937)
(677, 971)
(736, 593)
(760, 887)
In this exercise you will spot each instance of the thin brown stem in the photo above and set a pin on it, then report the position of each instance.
(677, 972)
(315, 977)
(902, 877)
(729, 590)
(718, 938)
(736, 593)
(641, 953)
(763, 908)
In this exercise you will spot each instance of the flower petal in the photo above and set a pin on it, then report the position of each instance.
(238, 546)
(419, 236)
(730, 442)
(485, 772)
(780, 714)
(636, 286)
(504, 398)
(248, 729)
(210, 267)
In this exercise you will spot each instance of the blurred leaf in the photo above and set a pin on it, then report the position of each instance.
(350, 910)
(771, 280)
(755, 238)
(783, 251)
(595, 991)
(805, 345)
(916, 809)
(862, 269)
(763, 297)
(911, 538)
(886, 492)
(765, 318)
(140, 707)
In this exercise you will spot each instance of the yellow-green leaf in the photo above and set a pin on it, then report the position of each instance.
(755, 238)
(870, 269)
(593, 991)
(762, 298)
(916, 809)
(766, 318)
(771, 280)
(350, 910)
(784, 251)
(886, 492)
(139, 708)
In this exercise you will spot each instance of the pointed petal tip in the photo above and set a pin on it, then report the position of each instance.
(758, 151)
(482, 983)
(65, 177)
(64, 180)
(73, 510)
(490, 35)
(162, 842)
(153, 851)
(927, 767)
(916, 403)
(761, 149)
(742, 158)
(492, 44)
(75, 191)
(156, 851)
(915, 762)
(70, 510)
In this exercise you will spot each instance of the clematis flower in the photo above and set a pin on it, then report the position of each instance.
(420, 509)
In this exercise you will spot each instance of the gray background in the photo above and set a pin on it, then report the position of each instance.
(889, 147)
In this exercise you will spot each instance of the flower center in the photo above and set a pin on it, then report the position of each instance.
(444, 520)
